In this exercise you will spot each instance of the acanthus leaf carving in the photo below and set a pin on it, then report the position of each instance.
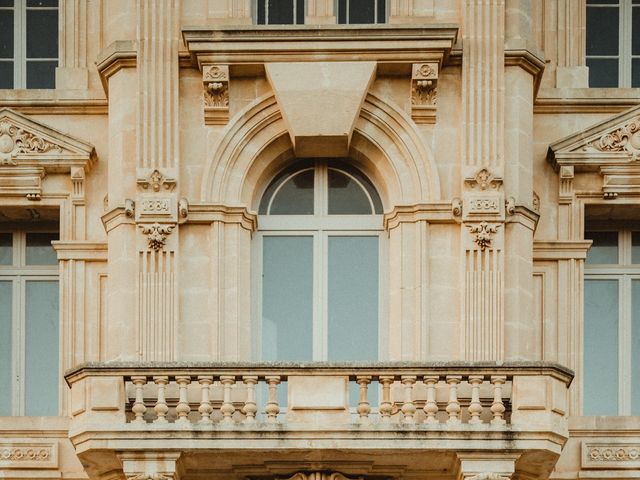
(624, 139)
(215, 79)
(484, 233)
(424, 84)
(157, 234)
(14, 140)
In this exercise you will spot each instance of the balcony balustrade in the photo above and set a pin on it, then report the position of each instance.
(269, 411)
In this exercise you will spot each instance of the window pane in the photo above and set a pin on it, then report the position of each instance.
(600, 347)
(300, 12)
(42, 3)
(635, 31)
(635, 348)
(295, 197)
(6, 249)
(287, 298)
(342, 11)
(261, 12)
(604, 249)
(42, 34)
(602, 31)
(6, 34)
(603, 72)
(39, 249)
(353, 298)
(6, 74)
(280, 12)
(361, 11)
(346, 196)
(41, 348)
(602, 2)
(41, 74)
(6, 332)
(635, 72)
(6, 3)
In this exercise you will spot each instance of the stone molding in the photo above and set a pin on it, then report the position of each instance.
(28, 455)
(118, 55)
(87, 251)
(611, 455)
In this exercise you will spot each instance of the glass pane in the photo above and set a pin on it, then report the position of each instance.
(261, 20)
(6, 33)
(382, 12)
(603, 2)
(635, 247)
(300, 12)
(600, 347)
(342, 11)
(6, 249)
(6, 3)
(41, 74)
(287, 298)
(603, 72)
(353, 298)
(6, 332)
(346, 196)
(6, 74)
(602, 30)
(635, 72)
(604, 249)
(295, 197)
(42, 3)
(39, 249)
(42, 34)
(362, 11)
(280, 12)
(635, 31)
(635, 347)
(41, 348)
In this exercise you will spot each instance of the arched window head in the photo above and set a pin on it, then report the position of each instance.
(320, 188)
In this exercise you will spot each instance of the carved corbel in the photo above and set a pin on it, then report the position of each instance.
(424, 92)
(215, 79)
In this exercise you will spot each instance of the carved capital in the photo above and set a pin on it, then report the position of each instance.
(157, 234)
(484, 233)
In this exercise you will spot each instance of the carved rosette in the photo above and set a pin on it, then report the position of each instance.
(624, 139)
(424, 92)
(14, 141)
(215, 79)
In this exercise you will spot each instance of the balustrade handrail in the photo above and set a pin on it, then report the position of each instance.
(350, 369)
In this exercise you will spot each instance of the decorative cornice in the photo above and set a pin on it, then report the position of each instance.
(529, 61)
(118, 55)
(114, 218)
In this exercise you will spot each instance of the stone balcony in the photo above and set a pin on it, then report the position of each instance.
(383, 420)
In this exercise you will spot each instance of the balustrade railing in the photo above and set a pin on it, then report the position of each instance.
(405, 394)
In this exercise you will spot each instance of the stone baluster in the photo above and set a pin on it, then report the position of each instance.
(475, 407)
(205, 407)
(250, 408)
(227, 409)
(364, 407)
(430, 406)
(139, 407)
(453, 406)
(183, 408)
(497, 407)
(385, 405)
(161, 408)
(271, 408)
(408, 408)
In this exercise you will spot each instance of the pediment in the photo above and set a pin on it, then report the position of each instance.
(25, 142)
(612, 142)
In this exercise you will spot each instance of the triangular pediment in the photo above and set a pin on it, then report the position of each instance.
(612, 142)
(29, 143)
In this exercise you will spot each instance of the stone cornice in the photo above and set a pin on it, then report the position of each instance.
(114, 218)
(253, 46)
(524, 216)
(119, 54)
(436, 212)
(209, 213)
(560, 249)
(529, 61)
(81, 250)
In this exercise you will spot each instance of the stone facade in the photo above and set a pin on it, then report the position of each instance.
(473, 121)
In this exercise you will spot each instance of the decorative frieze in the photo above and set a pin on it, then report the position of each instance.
(28, 455)
(424, 92)
(216, 94)
(611, 455)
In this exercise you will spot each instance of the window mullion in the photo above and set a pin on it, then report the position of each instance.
(624, 346)
(319, 297)
(624, 49)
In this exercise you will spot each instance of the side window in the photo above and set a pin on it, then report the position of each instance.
(361, 11)
(29, 324)
(28, 43)
(613, 43)
(612, 323)
(279, 12)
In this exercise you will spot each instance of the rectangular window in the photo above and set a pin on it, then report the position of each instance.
(28, 43)
(279, 12)
(612, 324)
(29, 324)
(361, 11)
(613, 43)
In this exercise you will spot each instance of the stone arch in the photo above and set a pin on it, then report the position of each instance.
(386, 146)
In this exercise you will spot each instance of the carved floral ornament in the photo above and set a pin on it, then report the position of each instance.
(615, 453)
(157, 181)
(14, 140)
(17, 454)
(484, 233)
(484, 180)
(157, 234)
(424, 84)
(216, 83)
(624, 139)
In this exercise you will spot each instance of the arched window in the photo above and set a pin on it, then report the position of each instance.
(318, 254)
